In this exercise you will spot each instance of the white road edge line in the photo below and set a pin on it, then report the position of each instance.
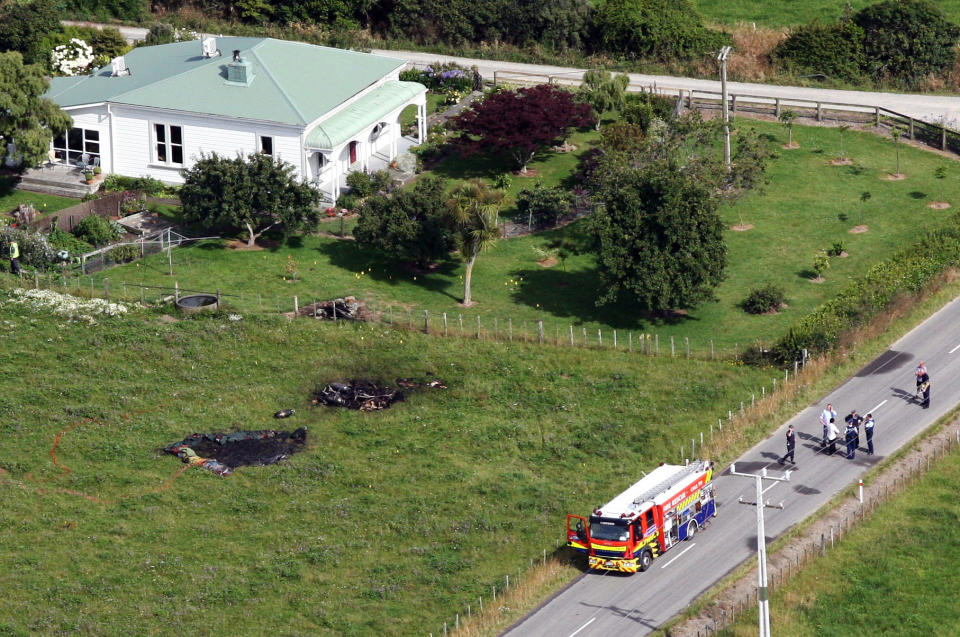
(677, 557)
(592, 619)
(882, 404)
(954, 349)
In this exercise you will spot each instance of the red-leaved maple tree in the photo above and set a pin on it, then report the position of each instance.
(521, 122)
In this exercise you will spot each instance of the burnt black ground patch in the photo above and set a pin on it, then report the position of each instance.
(241, 448)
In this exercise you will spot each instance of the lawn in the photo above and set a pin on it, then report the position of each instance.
(10, 198)
(785, 13)
(807, 206)
(388, 523)
(891, 575)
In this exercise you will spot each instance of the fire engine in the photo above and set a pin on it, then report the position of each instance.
(663, 509)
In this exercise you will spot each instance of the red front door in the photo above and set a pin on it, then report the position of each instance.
(353, 152)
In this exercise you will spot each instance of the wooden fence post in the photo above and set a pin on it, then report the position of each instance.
(943, 137)
(876, 119)
(426, 321)
(296, 306)
(912, 136)
(540, 331)
(776, 108)
(819, 112)
(571, 336)
(444, 323)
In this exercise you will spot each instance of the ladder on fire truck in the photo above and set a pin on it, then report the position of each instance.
(693, 467)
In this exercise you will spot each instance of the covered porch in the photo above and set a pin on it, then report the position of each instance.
(364, 136)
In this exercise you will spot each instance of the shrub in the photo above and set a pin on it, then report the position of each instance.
(542, 206)
(764, 299)
(348, 201)
(34, 249)
(502, 181)
(835, 50)
(123, 254)
(147, 185)
(836, 249)
(95, 230)
(907, 40)
(664, 30)
(360, 184)
(381, 181)
(60, 240)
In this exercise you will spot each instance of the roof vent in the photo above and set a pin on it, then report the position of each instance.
(210, 47)
(118, 67)
(239, 71)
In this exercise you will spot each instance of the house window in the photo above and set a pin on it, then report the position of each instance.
(266, 145)
(168, 144)
(70, 147)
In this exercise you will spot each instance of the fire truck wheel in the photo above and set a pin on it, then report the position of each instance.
(646, 559)
(691, 530)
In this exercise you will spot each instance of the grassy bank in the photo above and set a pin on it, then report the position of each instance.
(386, 522)
(784, 13)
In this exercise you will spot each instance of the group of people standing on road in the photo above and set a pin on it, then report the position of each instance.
(853, 420)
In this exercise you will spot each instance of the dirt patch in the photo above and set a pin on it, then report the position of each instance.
(776, 310)
(938, 205)
(817, 279)
(530, 173)
(792, 146)
(166, 318)
(259, 244)
(846, 161)
(742, 227)
(858, 229)
(894, 176)
(548, 262)
(843, 255)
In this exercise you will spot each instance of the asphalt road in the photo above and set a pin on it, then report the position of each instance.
(612, 604)
(930, 108)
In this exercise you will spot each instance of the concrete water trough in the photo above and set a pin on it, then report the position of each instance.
(198, 303)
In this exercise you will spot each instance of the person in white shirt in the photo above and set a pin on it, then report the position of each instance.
(826, 416)
(832, 433)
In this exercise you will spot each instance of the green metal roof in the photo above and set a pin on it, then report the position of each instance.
(372, 107)
(293, 83)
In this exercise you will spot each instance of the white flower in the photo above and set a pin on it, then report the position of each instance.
(72, 58)
(65, 305)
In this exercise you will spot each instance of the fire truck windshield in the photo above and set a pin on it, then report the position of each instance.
(609, 531)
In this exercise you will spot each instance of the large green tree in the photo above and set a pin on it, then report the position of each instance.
(25, 25)
(603, 91)
(27, 119)
(659, 236)
(664, 30)
(413, 224)
(255, 194)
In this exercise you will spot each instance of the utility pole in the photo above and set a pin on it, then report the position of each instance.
(763, 594)
(722, 58)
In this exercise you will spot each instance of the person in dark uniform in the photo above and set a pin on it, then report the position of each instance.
(925, 391)
(922, 376)
(868, 428)
(791, 445)
(855, 419)
(850, 435)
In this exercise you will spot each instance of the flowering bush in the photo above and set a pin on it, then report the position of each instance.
(34, 248)
(441, 77)
(72, 58)
(65, 305)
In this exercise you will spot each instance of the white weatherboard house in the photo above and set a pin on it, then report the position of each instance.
(156, 110)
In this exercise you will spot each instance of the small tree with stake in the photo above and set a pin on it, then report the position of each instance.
(896, 133)
(843, 129)
(940, 172)
(787, 117)
(864, 198)
(821, 262)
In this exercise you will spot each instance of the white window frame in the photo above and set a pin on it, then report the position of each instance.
(273, 145)
(168, 144)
